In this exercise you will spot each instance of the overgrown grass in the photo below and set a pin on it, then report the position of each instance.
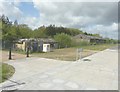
(97, 47)
(69, 54)
(6, 71)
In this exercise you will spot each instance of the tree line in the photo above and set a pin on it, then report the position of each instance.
(12, 30)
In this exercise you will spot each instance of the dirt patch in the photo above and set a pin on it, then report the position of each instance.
(5, 56)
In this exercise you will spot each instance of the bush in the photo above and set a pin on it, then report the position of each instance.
(64, 40)
(79, 43)
(83, 43)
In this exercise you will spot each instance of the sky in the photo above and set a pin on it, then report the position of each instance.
(92, 17)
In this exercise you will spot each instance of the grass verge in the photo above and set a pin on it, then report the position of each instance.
(6, 71)
(97, 47)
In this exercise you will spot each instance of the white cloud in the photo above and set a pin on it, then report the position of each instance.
(114, 26)
(10, 10)
(105, 31)
(92, 17)
(32, 22)
(16, 2)
(97, 13)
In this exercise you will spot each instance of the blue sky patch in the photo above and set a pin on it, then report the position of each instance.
(28, 9)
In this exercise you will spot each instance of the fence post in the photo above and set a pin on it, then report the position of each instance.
(27, 52)
(10, 54)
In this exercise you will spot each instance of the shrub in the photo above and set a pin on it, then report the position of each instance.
(79, 43)
(64, 40)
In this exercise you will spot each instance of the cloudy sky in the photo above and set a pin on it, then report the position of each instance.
(92, 17)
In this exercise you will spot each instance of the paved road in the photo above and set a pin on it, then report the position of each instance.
(100, 72)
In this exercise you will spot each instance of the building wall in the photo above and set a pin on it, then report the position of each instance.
(40, 46)
(46, 48)
(35, 46)
(97, 41)
(21, 46)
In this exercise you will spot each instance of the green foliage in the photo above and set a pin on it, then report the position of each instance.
(14, 31)
(73, 31)
(96, 35)
(97, 47)
(53, 30)
(6, 70)
(8, 32)
(112, 41)
(76, 43)
(118, 41)
(64, 40)
(83, 43)
(40, 32)
(25, 31)
(0, 25)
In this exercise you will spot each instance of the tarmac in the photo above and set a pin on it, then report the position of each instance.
(96, 72)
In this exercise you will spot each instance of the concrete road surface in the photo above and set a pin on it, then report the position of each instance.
(95, 72)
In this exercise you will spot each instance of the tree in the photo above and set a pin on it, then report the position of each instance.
(85, 33)
(16, 23)
(25, 31)
(13, 31)
(64, 40)
(51, 30)
(40, 32)
(6, 28)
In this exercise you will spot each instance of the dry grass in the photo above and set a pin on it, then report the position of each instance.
(68, 54)
(5, 56)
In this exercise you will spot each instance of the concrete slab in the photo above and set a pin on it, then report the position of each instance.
(101, 73)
